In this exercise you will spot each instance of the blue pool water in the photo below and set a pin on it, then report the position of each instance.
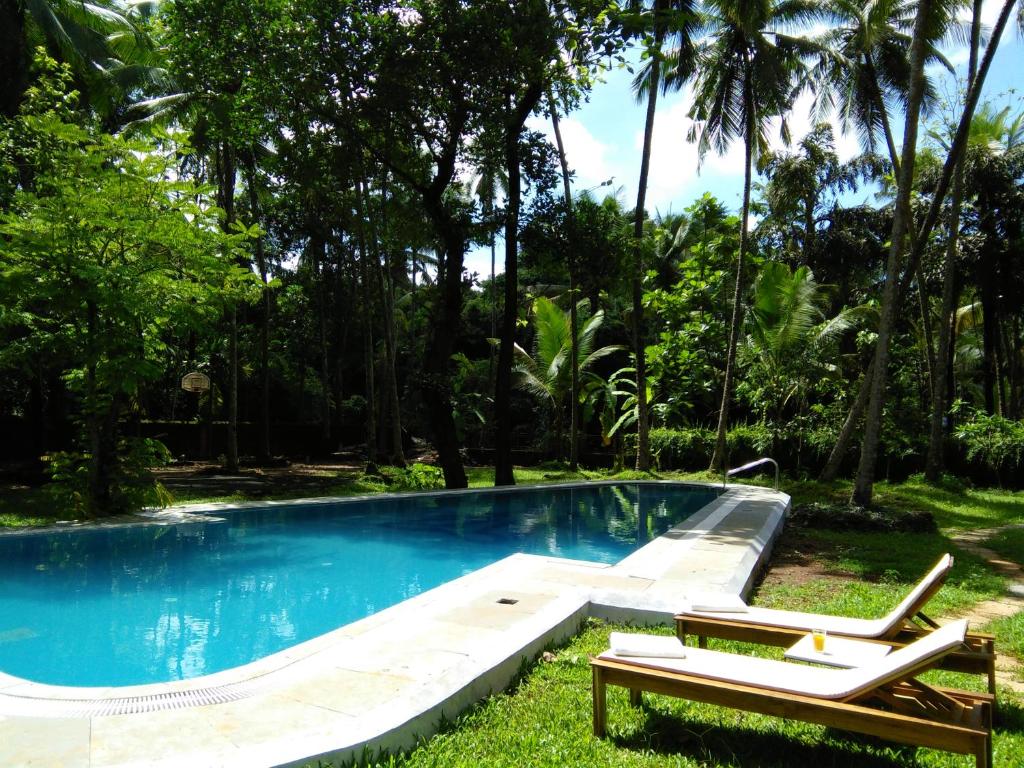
(144, 604)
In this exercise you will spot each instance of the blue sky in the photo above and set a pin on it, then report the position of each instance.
(604, 139)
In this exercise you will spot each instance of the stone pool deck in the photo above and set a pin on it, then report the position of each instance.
(382, 682)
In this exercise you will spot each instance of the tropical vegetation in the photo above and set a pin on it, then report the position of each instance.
(281, 195)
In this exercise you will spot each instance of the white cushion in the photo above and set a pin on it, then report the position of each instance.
(648, 646)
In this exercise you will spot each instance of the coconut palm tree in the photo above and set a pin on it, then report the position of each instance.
(666, 18)
(863, 68)
(864, 484)
(547, 372)
(746, 73)
(923, 31)
(103, 41)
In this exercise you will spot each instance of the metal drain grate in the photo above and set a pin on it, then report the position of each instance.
(57, 707)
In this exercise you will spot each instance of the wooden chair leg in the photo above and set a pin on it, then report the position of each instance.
(600, 703)
(636, 697)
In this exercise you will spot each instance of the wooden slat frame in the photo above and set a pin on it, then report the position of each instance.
(973, 736)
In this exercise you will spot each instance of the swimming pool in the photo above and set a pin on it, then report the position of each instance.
(153, 603)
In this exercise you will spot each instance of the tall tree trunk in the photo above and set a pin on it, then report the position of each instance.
(935, 462)
(226, 173)
(835, 458)
(231, 450)
(13, 56)
(718, 458)
(503, 470)
(437, 391)
(100, 427)
(989, 326)
(574, 334)
(368, 345)
(922, 299)
(263, 445)
(516, 117)
(318, 248)
(394, 454)
(864, 484)
(643, 448)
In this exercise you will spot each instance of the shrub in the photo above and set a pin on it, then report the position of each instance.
(681, 448)
(133, 486)
(994, 442)
(416, 477)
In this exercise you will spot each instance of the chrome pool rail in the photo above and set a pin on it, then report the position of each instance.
(752, 465)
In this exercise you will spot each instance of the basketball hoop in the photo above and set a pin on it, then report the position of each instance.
(195, 382)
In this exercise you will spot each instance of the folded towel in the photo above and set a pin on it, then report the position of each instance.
(717, 602)
(655, 646)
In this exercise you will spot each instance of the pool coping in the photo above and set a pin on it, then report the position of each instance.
(643, 588)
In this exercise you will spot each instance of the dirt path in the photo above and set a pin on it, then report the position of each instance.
(208, 478)
(1009, 669)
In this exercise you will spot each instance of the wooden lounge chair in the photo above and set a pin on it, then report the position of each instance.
(769, 626)
(882, 699)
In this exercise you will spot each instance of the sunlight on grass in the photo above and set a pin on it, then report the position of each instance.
(1009, 544)
(1009, 632)
(545, 723)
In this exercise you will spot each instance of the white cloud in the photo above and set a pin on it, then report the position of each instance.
(589, 158)
(989, 13)
(678, 174)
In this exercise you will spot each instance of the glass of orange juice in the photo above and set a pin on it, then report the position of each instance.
(818, 636)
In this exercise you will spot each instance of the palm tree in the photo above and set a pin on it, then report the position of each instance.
(103, 41)
(667, 17)
(547, 373)
(863, 67)
(746, 74)
(901, 225)
(869, 447)
(788, 333)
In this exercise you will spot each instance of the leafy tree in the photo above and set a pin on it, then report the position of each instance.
(688, 354)
(100, 258)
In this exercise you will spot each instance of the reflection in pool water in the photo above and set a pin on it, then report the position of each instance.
(142, 604)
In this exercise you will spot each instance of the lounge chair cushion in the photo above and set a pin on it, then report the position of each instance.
(807, 680)
(839, 625)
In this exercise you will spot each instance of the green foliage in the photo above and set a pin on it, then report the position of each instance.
(102, 254)
(679, 448)
(995, 442)
(416, 477)
(133, 487)
(688, 304)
